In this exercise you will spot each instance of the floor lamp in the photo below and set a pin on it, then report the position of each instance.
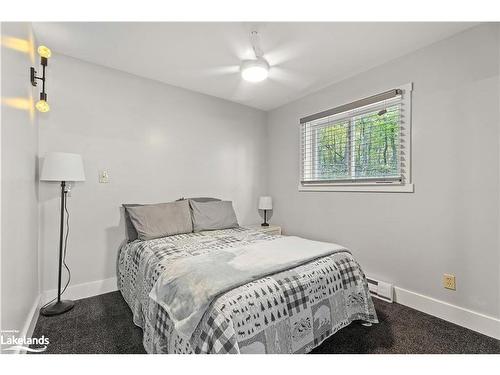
(62, 167)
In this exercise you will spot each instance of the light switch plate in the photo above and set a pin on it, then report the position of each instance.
(103, 177)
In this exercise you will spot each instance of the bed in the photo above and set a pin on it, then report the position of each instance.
(289, 311)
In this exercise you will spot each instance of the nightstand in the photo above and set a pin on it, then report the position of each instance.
(271, 229)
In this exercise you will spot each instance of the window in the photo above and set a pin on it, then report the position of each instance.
(360, 146)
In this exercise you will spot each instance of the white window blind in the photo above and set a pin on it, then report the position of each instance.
(363, 142)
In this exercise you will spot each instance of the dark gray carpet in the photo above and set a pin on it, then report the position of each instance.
(103, 324)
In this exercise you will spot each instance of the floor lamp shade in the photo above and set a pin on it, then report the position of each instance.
(62, 166)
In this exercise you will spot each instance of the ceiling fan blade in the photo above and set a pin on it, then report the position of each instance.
(221, 70)
(286, 77)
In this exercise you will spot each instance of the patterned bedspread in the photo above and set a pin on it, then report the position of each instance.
(288, 312)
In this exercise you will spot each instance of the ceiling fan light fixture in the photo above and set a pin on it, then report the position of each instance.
(255, 70)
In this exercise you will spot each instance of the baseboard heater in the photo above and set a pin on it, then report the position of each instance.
(380, 289)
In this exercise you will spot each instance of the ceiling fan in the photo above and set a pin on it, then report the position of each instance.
(255, 70)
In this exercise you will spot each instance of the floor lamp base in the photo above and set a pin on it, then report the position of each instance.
(57, 308)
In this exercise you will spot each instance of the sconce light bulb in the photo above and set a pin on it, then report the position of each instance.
(44, 52)
(42, 106)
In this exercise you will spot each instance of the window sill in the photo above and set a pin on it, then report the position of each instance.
(406, 188)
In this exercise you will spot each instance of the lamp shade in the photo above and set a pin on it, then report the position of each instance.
(265, 203)
(62, 166)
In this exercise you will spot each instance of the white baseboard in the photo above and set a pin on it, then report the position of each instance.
(84, 290)
(473, 320)
(30, 323)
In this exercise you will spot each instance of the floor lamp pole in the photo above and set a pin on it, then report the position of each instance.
(59, 306)
(61, 235)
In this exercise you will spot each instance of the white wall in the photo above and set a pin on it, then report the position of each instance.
(158, 143)
(19, 197)
(450, 223)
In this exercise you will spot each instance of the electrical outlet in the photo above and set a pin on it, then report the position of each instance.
(103, 177)
(449, 282)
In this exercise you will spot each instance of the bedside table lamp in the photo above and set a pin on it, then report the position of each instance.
(265, 203)
(62, 167)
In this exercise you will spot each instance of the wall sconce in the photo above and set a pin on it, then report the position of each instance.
(44, 53)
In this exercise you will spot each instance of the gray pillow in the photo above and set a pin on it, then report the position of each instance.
(213, 215)
(131, 232)
(161, 220)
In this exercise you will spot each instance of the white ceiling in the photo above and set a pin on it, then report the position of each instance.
(205, 57)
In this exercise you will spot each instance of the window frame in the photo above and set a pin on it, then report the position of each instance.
(404, 186)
